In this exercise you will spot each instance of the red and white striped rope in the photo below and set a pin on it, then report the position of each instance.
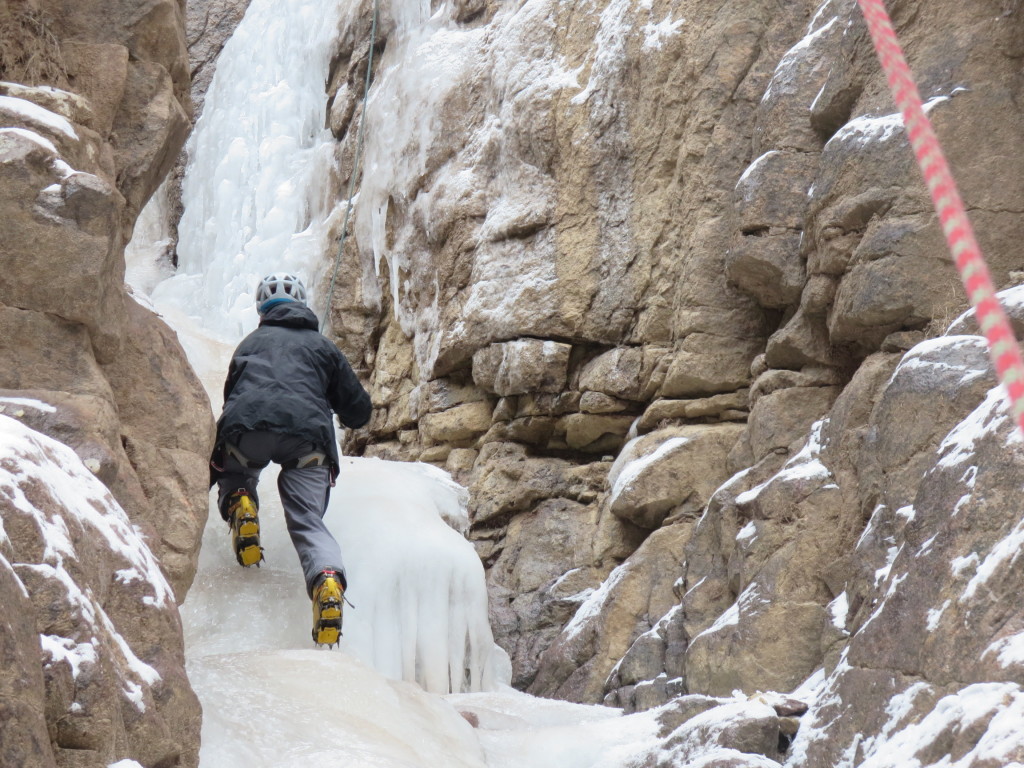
(1002, 344)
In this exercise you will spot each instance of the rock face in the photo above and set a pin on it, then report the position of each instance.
(84, 142)
(208, 25)
(682, 259)
(94, 669)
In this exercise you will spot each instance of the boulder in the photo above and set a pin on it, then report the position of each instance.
(596, 433)
(769, 267)
(598, 402)
(521, 366)
(73, 220)
(706, 365)
(459, 424)
(784, 416)
(627, 373)
(626, 605)
(670, 471)
(100, 72)
(101, 610)
(772, 192)
(151, 126)
(705, 407)
(507, 481)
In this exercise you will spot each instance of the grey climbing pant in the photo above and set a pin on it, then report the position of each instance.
(304, 491)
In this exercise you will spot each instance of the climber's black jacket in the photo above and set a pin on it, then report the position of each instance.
(287, 377)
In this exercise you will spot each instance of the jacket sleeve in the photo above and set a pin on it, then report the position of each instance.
(232, 377)
(347, 397)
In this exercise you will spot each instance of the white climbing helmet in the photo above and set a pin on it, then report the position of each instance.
(280, 285)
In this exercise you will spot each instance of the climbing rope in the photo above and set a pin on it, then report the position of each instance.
(355, 165)
(1002, 344)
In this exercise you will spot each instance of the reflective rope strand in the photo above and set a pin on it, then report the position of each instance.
(992, 320)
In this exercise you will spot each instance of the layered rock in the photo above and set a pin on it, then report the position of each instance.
(552, 265)
(94, 669)
(661, 298)
(84, 142)
(109, 366)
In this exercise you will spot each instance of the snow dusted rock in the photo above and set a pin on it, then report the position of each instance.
(670, 472)
(59, 202)
(546, 567)
(596, 197)
(129, 59)
(113, 381)
(1012, 300)
(771, 545)
(606, 624)
(97, 604)
(735, 734)
(24, 739)
(950, 583)
(521, 366)
(782, 417)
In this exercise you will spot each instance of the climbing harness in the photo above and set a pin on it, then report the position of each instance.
(1002, 344)
(355, 164)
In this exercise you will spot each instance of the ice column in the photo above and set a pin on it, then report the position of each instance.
(255, 198)
(259, 159)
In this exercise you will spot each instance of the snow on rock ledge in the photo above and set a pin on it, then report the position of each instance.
(85, 598)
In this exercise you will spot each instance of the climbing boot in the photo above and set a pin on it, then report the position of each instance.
(328, 597)
(245, 528)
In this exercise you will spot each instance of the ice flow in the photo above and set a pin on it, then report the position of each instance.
(253, 204)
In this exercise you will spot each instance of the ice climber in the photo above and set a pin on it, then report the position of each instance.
(284, 380)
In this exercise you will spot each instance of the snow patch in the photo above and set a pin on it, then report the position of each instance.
(24, 402)
(786, 70)
(594, 604)
(839, 610)
(869, 129)
(1004, 553)
(33, 113)
(628, 467)
(748, 534)
(935, 615)
(32, 136)
(991, 712)
(804, 466)
(76, 655)
(961, 444)
(656, 34)
(960, 564)
(1009, 650)
(29, 459)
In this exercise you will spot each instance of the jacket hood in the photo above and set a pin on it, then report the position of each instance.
(291, 314)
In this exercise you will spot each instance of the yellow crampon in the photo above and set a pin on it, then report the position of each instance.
(328, 598)
(245, 529)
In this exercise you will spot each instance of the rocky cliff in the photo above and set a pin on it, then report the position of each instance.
(661, 284)
(94, 107)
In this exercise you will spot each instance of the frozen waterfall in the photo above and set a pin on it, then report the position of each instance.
(255, 201)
